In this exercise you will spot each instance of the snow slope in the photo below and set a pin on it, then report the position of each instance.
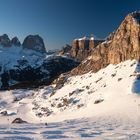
(21, 66)
(11, 55)
(114, 85)
(110, 98)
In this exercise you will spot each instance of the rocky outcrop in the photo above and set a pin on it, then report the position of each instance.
(65, 50)
(126, 41)
(5, 41)
(121, 45)
(34, 42)
(18, 120)
(82, 48)
(15, 41)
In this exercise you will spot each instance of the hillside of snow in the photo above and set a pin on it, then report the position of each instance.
(111, 93)
(10, 55)
(22, 67)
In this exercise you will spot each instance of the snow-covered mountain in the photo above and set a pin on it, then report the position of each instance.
(109, 86)
(102, 91)
(29, 65)
(111, 92)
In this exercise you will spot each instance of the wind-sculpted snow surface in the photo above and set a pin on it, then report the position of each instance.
(87, 129)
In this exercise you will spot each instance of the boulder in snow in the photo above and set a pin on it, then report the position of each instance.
(18, 120)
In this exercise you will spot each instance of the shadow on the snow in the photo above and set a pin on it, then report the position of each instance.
(136, 84)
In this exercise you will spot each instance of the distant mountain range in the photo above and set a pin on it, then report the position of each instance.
(81, 48)
(30, 65)
(89, 80)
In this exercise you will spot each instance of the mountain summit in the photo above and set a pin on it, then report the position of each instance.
(82, 47)
(34, 42)
(29, 65)
(121, 45)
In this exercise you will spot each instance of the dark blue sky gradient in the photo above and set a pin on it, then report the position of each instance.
(60, 21)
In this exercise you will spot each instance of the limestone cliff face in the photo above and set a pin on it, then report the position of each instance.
(82, 48)
(121, 45)
(34, 42)
(126, 41)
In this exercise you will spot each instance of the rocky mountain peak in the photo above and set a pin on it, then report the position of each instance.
(121, 45)
(82, 47)
(5, 41)
(15, 41)
(135, 15)
(34, 42)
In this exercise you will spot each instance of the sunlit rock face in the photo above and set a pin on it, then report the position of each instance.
(121, 45)
(82, 48)
(26, 75)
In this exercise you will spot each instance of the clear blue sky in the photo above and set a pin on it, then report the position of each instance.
(60, 21)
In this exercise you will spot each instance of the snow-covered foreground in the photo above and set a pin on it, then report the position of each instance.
(102, 105)
(100, 128)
